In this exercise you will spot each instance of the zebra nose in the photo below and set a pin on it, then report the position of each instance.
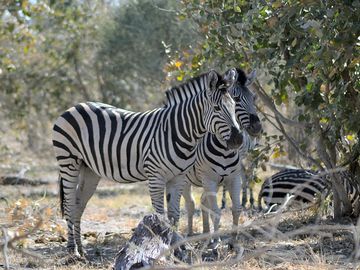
(254, 118)
(255, 127)
(235, 140)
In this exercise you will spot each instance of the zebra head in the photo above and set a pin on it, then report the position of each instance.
(246, 113)
(220, 117)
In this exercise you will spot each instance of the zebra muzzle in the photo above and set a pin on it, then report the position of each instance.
(255, 127)
(235, 140)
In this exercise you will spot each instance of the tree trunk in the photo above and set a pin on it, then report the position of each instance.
(342, 205)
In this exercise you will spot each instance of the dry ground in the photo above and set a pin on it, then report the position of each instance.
(266, 242)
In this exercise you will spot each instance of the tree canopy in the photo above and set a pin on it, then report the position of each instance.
(135, 48)
(58, 53)
(307, 54)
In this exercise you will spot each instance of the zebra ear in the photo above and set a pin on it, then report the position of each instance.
(213, 79)
(230, 76)
(251, 78)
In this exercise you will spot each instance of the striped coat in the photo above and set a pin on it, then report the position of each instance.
(94, 140)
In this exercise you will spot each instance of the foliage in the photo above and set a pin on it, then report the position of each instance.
(134, 50)
(55, 54)
(44, 60)
(307, 53)
(23, 219)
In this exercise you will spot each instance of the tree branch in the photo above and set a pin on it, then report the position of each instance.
(295, 144)
(79, 77)
(270, 104)
(8, 242)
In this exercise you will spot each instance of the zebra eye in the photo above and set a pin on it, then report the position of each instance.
(217, 108)
(237, 99)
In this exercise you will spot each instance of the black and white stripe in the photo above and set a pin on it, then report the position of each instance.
(306, 187)
(94, 140)
(216, 164)
(247, 187)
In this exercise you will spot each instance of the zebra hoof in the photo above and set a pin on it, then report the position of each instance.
(232, 242)
(210, 254)
(72, 259)
(81, 253)
(214, 244)
(76, 252)
(238, 250)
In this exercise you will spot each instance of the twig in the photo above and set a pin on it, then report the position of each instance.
(268, 101)
(269, 230)
(5, 248)
(10, 242)
(295, 145)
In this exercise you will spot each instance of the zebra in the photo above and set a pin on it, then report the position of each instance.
(306, 187)
(247, 179)
(95, 140)
(216, 164)
(352, 188)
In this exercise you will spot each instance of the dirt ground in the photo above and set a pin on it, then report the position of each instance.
(296, 240)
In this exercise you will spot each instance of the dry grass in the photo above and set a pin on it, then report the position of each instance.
(115, 209)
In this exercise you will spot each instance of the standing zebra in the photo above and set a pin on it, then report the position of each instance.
(94, 140)
(216, 164)
(248, 180)
(305, 185)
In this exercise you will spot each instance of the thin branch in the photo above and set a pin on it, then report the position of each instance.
(295, 145)
(267, 229)
(10, 242)
(5, 248)
(79, 77)
(270, 121)
(268, 101)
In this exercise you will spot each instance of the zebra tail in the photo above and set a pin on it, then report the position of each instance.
(61, 193)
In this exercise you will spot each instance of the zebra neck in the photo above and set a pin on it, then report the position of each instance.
(186, 122)
(196, 109)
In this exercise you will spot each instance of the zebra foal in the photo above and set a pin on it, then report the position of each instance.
(94, 140)
(217, 165)
(306, 187)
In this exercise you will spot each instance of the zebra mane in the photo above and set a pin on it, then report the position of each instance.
(179, 93)
(241, 76)
(241, 80)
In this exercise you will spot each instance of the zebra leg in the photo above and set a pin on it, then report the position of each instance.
(210, 188)
(190, 207)
(205, 213)
(156, 189)
(88, 182)
(234, 185)
(244, 185)
(68, 180)
(244, 196)
(174, 189)
(223, 198)
(252, 200)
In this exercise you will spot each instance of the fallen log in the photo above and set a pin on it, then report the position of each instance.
(151, 238)
(14, 180)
